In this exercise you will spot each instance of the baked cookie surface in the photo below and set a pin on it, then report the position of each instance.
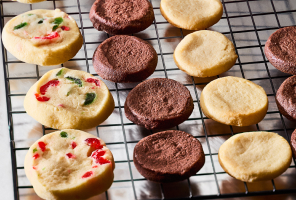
(121, 17)
(69, 164)
(280, 49)
(42, 37)
(255, 156)
(293, 142)
(205, 53)
(168, 156)
(125, 58)
(191, 14)
(65, 98)
(234, 101)
(158, 103)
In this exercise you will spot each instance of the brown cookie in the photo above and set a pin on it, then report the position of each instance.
(168, 156)
(280, 49)
(293, 142)
(125, 58)
(158, 103)
(118, 17)
(286, 98)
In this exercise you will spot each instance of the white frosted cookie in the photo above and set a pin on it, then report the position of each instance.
(255, 156)
(234, 101)
(192, 14)
(42, 37)
(65, 98)
(205, 53)
(69, 164)
(29, 1)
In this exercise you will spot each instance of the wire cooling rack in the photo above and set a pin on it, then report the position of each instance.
(248, 23)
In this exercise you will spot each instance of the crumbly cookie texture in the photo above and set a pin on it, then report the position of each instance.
(191, 14)
(234, 101)
(69, 164)
(205, 53)
(255, 156)
(73, 99)
(42, 37)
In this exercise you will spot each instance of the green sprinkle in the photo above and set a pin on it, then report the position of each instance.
(41, 21)
(58, 20)
(55, 27)
(90, 97)
(34, 150)
(30, 14)
(82, 113)
(68, 93)
(75, 80)
(63, 134)
(73, 138)
(60, 72)
(43, 168)
(21, 25)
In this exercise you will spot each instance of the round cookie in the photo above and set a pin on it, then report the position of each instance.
(205, 53)
(158, 103)
(234, 101)
(286, 98)
(65, 98)
(280, 49)
(42, 37)
(191, 14)
(69, 164)
(168, 156)
(255, 156)
(121, 17)
(29, 1)
(125, 58)
(293, 142)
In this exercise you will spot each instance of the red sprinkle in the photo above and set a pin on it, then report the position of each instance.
(103, 161)
(41, 98)
(36, 156)
(65, 28)
(94, 143)
(97, 154)
(34, 167)
(49, 37)
(42, 146)
(43, 88)
(92, 80)
(70, 155)
(96, 166)
(87, 174)
(73, 144)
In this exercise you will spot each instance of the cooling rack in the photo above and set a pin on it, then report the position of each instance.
(248, 23)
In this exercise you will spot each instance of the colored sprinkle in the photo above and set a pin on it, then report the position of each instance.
(30, 14)
(55, 27)
(65, 28)
(73, 144)
(21, 25)
(34, 150)
(41, 21)
(70, 155)
(96, 166)
(87, 174)
(97, 154)
(36, 156)
(34, 167)
(103, 161)
(90, 97)
(73, 138)
(42, 146)
(75, 80)
(44, 88)
(58, 20)
(92, 80)
(61, 105)
(43, 168)
(41, 98)
(48, 37)
(94, 143)
(59, 72)
(63, 134)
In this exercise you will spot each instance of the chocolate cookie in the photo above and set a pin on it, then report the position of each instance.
(125, 58)
(280, 49)
(286, 98)
(158, 103)
(168, 156)
(293, 142)
(118, 17)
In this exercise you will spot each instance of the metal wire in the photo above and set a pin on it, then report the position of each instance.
(165, 70)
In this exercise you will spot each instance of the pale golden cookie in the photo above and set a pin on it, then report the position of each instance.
(255, 156)
(69, 164)
(42, 37)
(29, 1)
(205, 53)
(234, 101)
(192, 14)
(65, 98)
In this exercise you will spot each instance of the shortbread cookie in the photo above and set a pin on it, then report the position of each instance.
(234, 101)
(121, 17)
(125, 58)
(205, 53)
(286, 98)
(158, 103)
(255, 156)
(69, 164)
(168, 156)
(280, 49)
(65, 98)
(192, 14)
(29, 1)
(42, 37)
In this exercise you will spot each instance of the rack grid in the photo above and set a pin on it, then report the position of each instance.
(247, 23)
